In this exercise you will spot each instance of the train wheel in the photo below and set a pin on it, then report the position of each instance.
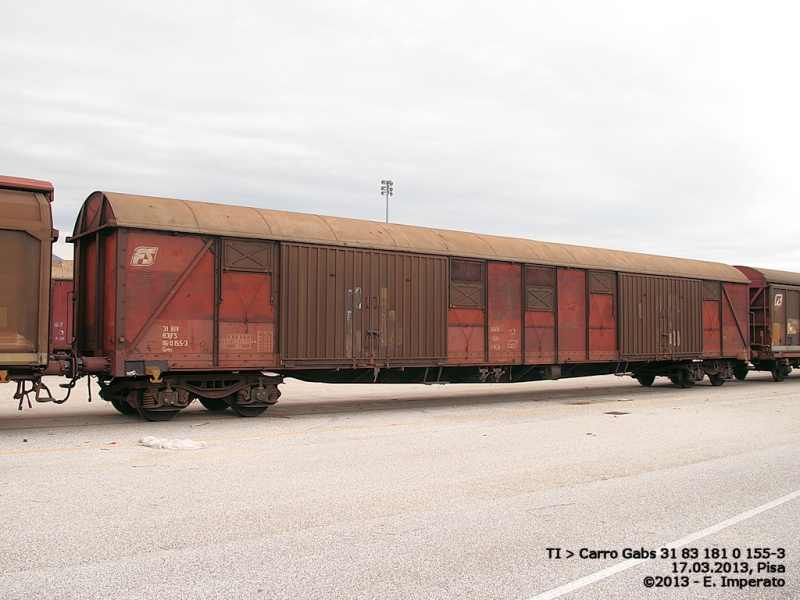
(779, 372)
(246, 410)
(740, 372)
(716, 379)
(214, 404)
(682, 379)
(646, 380)
(123, 407)
(142, 399)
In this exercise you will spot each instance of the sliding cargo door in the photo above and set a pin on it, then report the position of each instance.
(361, 307)
(660, 317)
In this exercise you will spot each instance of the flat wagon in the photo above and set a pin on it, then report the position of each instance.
(182, 300)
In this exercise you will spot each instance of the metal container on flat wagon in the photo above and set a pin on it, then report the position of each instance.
(26, 237)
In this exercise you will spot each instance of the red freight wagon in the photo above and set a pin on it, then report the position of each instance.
(26, 237)
(774, 321)
(191, 300)
(61, 306)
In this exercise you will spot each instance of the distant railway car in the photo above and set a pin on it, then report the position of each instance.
(774, 321)
(188, 300)
(26, 237)
(61, 306)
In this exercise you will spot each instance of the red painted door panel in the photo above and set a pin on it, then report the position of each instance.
(505, 313)
(711, 328)
(467, 340)
(61, 314)
(571, 315)
(734, 324)
(182, 333)
(540, 337)
(602, 327)
(247, 320)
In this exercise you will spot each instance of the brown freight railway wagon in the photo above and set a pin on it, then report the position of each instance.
(26, 237)
(774, 321)
(188, 299)
(61, 306)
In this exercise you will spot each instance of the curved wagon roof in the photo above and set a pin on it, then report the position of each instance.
(27, 185)
(109, 209)
(771, 276)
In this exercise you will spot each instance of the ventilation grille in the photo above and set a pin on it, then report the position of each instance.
(540, 276)
(466, 271)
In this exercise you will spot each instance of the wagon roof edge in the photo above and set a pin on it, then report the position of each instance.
(169, 214)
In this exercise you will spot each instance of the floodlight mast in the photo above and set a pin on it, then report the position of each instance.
(386, 190)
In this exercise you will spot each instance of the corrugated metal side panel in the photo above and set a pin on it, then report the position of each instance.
(660, 317)
(350, 306)
(689, 295)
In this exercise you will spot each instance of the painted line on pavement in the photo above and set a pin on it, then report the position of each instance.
(619, 567)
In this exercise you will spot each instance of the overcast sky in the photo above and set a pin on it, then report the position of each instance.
(670, 129)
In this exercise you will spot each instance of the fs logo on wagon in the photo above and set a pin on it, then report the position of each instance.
(144, 256)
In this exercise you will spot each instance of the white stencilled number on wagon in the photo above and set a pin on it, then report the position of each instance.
(144, 256)
(169, 338)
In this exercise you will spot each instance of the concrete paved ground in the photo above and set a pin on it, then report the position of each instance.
(406, 492)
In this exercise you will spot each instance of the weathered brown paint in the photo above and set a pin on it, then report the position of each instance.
(172, 215)
(361, 307)
(660, 317)
(26, 236)
(770, 322)
(305, 292)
